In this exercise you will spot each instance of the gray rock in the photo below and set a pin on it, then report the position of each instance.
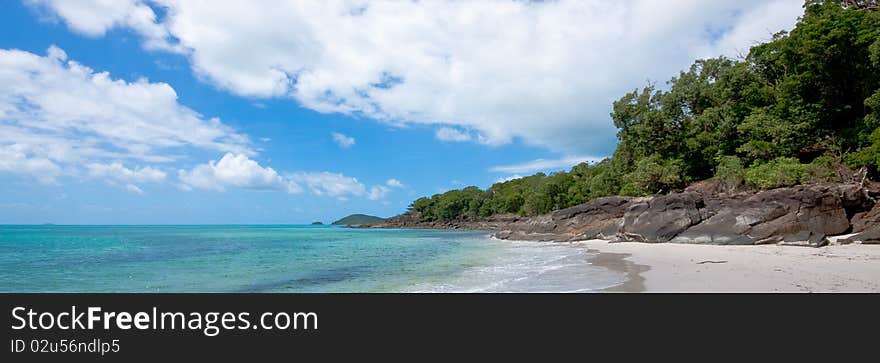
(869, 236)
(599, 218)
(662, 218)
(805, 238)
(801, 215)
(864, 220)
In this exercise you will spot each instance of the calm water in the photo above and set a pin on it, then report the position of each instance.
(285, 259)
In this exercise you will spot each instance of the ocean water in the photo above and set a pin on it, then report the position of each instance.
(251, 258)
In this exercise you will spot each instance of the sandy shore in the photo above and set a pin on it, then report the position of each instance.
(768, 268)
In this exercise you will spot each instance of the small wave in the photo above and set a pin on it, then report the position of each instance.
(532, 267)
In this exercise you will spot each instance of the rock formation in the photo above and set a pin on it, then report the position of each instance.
(801, 215)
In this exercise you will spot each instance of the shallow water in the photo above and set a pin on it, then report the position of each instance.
(289, 258)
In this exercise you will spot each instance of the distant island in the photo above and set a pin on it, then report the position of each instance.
(318, 223)
(358, 219)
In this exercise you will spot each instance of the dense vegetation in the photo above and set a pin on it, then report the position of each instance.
(357, 219)
(804, 107)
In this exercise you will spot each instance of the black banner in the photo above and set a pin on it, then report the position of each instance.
(126, 327)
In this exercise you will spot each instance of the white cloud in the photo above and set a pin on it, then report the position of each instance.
(116, 171)
(545, 72)
(14, 159)
(378, 192)
(134, 189)
(95, 17)
(508, 178)
(330, 184)
(343, 141)
(116, 174)
(758, 25)
(235, 170)
(58, 117)
(544, 165)
(453, 135)
(341, 186)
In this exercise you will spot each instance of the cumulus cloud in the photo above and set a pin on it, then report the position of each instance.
(394, 183)
(453, 135)
(235, 170)
(330, 184)
(60, 117)
(239, 171)
(343, 141)
(544, 165)
(116, 174)
(508, 178)
(543, 72)
(116, 171)
(134, 189)
(342, 187)
(14, 159)
(95, 17)
(378, 192)
(757, 26)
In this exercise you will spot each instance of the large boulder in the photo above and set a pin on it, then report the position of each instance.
(662, 218)
(538, 224)
(869, 236)
(861, 221)
(730, 225)
(598, 218)
(802, 215)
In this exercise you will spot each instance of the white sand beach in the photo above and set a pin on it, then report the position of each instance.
(768, 268)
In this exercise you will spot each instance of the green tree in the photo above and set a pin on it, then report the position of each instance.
(652, 175)
(779, 172)
(730, 171)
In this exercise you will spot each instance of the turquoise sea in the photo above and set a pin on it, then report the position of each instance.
(286, 258)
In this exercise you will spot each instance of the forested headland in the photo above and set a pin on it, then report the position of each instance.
(802, 108)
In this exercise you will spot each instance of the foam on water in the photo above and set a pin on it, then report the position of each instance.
(529, 267)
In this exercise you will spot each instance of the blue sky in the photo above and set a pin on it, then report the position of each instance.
(185, 128)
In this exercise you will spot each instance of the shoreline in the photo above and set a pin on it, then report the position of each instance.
(669, 267)
(681, 267)
(619, 262)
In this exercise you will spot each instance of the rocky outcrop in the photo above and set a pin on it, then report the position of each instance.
(869, 236)
(802, 215)
(600, 218)
(863, 220)
(799, 215)
(662, 218)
